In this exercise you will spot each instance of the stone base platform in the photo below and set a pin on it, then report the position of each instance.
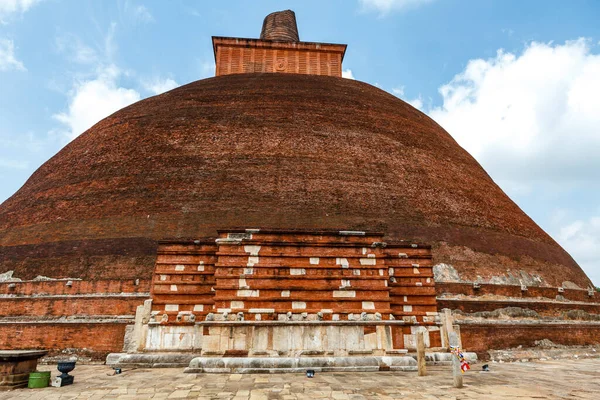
(253, 365)
(150, 360)
(194, 363)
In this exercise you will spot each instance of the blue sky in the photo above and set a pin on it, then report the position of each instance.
(515, 82)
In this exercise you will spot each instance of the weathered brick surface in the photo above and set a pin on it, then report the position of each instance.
(532, 292)
(87, 339)
(267, 151)
(280, 26)
(480, 338)
(265, 274)
(45, 307)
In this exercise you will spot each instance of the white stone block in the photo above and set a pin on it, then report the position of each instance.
(285, 293)
(314, 260)
(199, 307)
(163, 277)
(381, 273)
(173, 288)
(405, 299)
(297, 271)
(335, 317)
(171, 307)
(368, 305)
(407, 308)
(428, 280)
(368, 261)
(345, 283)
(356, 271)
(180, 267)
(419, 284)
(416, 271)
(344, 293)
(242, 283)
(343, 262)
(391, 271)
(402, 255)
(252, 261)
(200, 267)
(248, 271)
(252, 250)
(261, 310)
(237, 304)
(257, 317)
(223, 310)
(327, 311)
(298, 305)
(248, 293)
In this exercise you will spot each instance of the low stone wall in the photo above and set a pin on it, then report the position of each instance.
(468, 289)
(481, 336)
(543, 308)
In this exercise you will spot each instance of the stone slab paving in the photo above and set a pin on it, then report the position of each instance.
(554, 379)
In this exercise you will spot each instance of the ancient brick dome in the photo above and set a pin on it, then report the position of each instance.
(281, 151)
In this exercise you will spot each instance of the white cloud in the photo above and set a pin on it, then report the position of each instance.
(532, 116)
(581, 238)
(158, 86)
(384, 7)
(142, 14)
(95, 99)
(347, 73)
(11, 7)
(8, 61)
(75, 49)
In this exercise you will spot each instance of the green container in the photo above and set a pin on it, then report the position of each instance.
(39, 379)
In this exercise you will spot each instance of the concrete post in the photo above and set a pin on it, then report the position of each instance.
(456, 371)
(421, 354)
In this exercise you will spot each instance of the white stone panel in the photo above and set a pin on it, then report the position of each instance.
(343, 262)
(344, 293)
(416, 271)
(248, 271)
(171, 307)
(285, 293)
(252, 250)
(298, 305)
(180, 267)
(297, 271)
(199, 307)
(261, 310)
(200, 267)
(345, 283)
(173, 288)
(252, 260)
(356, 271)
(248, 293)
(368, 261)
(163, 277)
(314, 260)
(368, 305)
(242, 283)
(407, 308)
(237, 304)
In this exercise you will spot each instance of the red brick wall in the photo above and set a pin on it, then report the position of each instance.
(546, 308)
(59, 287)
(480, 338)
(88, 339)
(68, 306)
(514, 291)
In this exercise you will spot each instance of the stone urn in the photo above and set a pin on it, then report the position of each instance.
(65, 367)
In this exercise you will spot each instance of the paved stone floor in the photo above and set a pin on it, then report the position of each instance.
(555, 379)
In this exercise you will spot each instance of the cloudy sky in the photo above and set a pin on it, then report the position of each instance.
(517, 83)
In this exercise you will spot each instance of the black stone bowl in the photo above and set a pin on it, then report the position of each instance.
(65, 367)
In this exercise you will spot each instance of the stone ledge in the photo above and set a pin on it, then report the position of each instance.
(300, 364)
(307, 322)
(150, 360)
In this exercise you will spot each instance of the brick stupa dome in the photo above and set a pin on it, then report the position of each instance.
(283, 151)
